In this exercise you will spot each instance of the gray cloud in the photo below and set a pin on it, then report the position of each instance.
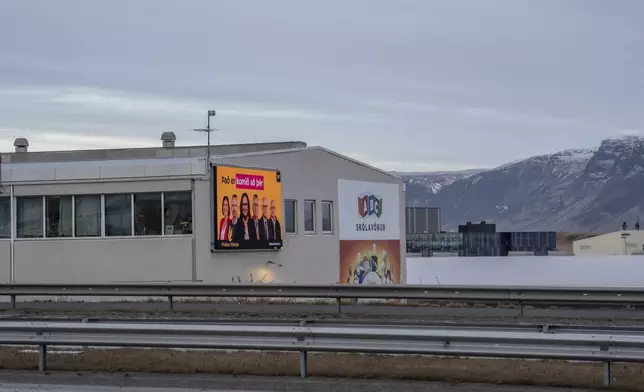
(415, 85)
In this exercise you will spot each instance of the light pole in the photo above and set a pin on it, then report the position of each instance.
(211, 113)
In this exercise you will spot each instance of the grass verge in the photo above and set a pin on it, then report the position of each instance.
(496, 371)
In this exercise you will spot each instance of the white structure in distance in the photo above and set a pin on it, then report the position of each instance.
(561, 271)
(625, 242)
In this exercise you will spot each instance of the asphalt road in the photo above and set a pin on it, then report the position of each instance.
(111, 382)
(300, 310)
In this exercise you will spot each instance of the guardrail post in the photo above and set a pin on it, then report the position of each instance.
(304, 360)
(339, 300)
(171, 301)
(520, 308)
(42, 358)
(13, 302)
(606, 374)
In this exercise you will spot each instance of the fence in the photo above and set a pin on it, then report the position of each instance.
(607, 344)
(467, 294)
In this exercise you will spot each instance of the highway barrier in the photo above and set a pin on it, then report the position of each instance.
(577, 343)
(466, 294)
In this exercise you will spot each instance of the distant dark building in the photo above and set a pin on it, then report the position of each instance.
(482, 240)
(482, 227)
(423, 220)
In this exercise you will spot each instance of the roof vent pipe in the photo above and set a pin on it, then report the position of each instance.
(168, 139)
(21, 144)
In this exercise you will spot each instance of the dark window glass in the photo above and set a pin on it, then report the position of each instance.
(147, 214)
(5, 217)
(118, 215)
(178, 212)
(290, 216)
(58, 210)
(29, 217)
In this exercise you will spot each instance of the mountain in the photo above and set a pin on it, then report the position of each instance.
(573, 190)
(421, 187)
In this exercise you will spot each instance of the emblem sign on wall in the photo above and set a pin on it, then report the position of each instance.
(369, 229)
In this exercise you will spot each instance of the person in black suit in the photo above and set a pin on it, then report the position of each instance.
(264, 220)
(257, 235)
(274, 227)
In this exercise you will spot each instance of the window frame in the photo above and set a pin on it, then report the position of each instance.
(313, 204)
(295, 225)
(189, 199)
(72, 211)
(42, 222)
(324, 204)
(9, 221)
(101, 215)
(186, 201)
(161, 214)
(130, 198)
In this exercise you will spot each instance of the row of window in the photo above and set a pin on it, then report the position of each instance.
(119, 215)
(128, 214)
(310, 213)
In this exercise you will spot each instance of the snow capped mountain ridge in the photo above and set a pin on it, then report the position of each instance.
(585, 189)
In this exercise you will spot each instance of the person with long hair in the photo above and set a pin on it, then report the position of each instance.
(243, 232)
(224, 222)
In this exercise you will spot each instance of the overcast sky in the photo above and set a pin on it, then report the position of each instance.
(404, 85)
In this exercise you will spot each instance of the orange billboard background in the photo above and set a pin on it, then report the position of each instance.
(358, 266)
(238, 181)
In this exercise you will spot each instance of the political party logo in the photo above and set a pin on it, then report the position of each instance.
(369, 205)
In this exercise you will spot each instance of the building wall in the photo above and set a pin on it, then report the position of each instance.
(610, 244)
(303, 259)
(104, 260)
(307, 174)
(107, 259)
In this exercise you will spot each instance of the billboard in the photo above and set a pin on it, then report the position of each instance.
(369, 230)
(368, 262)
(248, 208)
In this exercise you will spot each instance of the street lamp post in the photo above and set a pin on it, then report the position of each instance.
(211, 113)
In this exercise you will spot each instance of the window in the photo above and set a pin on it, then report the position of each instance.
(29, 211)
(327, 217)
(118, 215)
(5, 217)
(309, 216)
(178, 212)
(87, 211)
(147, 214)
(290, 217)
(58, 210)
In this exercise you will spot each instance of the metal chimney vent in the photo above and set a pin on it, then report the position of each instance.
(21, 144)
(168, 139)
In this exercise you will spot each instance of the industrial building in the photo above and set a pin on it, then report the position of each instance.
(481, 239)
(625, 242)
(150, 215)
(423, 219)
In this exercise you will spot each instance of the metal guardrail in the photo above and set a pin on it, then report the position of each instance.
(471, 294)
(525, 342)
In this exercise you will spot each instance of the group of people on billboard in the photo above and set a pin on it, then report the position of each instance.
(370, 269)
(249, 227)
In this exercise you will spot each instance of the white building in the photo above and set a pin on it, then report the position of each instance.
(54, 207)
(624, 242)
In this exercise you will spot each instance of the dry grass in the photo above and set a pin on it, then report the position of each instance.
(565, 240)
(519, 372)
